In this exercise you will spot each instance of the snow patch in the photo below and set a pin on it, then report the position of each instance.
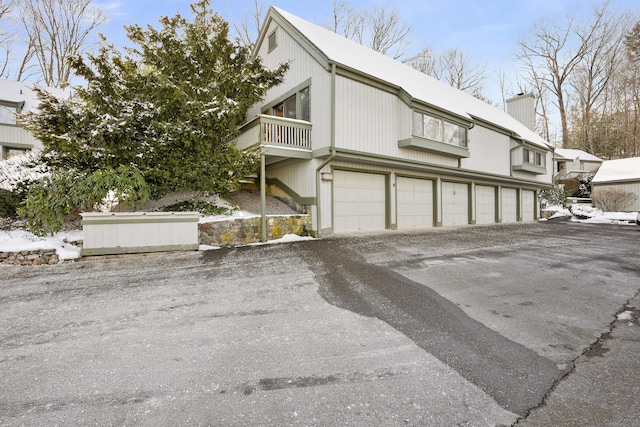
(589, 214)
(625, 315)
(21, 240)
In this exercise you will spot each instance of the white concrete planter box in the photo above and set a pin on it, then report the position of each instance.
(135, 232)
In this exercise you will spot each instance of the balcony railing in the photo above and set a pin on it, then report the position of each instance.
(275, 132)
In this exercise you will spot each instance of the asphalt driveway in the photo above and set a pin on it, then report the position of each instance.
(528, 324)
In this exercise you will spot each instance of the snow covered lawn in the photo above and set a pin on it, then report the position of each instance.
(590, 215)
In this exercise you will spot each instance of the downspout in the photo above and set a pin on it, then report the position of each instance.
(473, 124)
(332, 149)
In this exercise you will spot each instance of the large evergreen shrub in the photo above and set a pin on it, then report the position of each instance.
(165, 112)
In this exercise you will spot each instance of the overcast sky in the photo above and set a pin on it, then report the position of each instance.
(486, 29)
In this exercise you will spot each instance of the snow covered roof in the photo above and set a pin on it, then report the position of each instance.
(571, 154)
(351, 55)
(18, 92)
(618, 170)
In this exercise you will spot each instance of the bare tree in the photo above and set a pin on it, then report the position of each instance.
(457, 68)
(424, 61)
(551, 53)
(57, 31)
(454, 67)
(5, 38)
(346, 21)
(387, 33)
(601, 62)
(380, 28)
(249, 27)
(631, 92)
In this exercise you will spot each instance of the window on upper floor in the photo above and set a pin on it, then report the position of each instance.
(7, 115)
(437, 129)
(297, 106)
(9, 152)
(533, 157)
(272, 41)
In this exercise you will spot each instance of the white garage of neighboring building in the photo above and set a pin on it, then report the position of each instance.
(621, 174)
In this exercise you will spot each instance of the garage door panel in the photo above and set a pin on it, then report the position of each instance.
(455, 204)
(415, 202)
(485, 204)
(509, 205)
(359, 201)
(528, 213)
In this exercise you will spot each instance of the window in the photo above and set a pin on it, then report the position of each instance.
(454, 134)
(437, 129)
(533, 157)
(297, 106)
(7, 115)
(272, 41)
(427, 126)
(305, 110)
(11, 152)
(286, 108)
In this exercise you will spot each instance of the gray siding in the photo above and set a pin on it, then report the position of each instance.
(302, 68)
(489, 151)
(632, 187)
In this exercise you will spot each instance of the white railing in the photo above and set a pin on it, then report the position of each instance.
(266, 130)
(295, 134)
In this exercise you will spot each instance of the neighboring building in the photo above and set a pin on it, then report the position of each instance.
(621, 174)
(569, 163)
(18, 98)
(364, 142)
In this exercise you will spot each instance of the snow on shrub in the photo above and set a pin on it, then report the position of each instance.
(584, 211)
(20, 169)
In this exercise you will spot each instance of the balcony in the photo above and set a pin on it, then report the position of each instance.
(278, 138)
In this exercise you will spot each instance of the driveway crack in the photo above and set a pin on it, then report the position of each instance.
(596, 349)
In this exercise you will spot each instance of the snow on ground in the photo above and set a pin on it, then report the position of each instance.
(287, 238)
(590, 215)
(21, 240)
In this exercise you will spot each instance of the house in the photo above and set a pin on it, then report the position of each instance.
(363, 142)
(18, 98)
(621, 174)
(569, 163)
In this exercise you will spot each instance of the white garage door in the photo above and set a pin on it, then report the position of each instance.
(509, 205)
(528, 206)
(415, 202)
(358, 201)
(455, 203)
(485, 204)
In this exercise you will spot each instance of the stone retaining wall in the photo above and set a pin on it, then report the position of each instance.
(240, 231)
(244, 231)
(37, 257)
